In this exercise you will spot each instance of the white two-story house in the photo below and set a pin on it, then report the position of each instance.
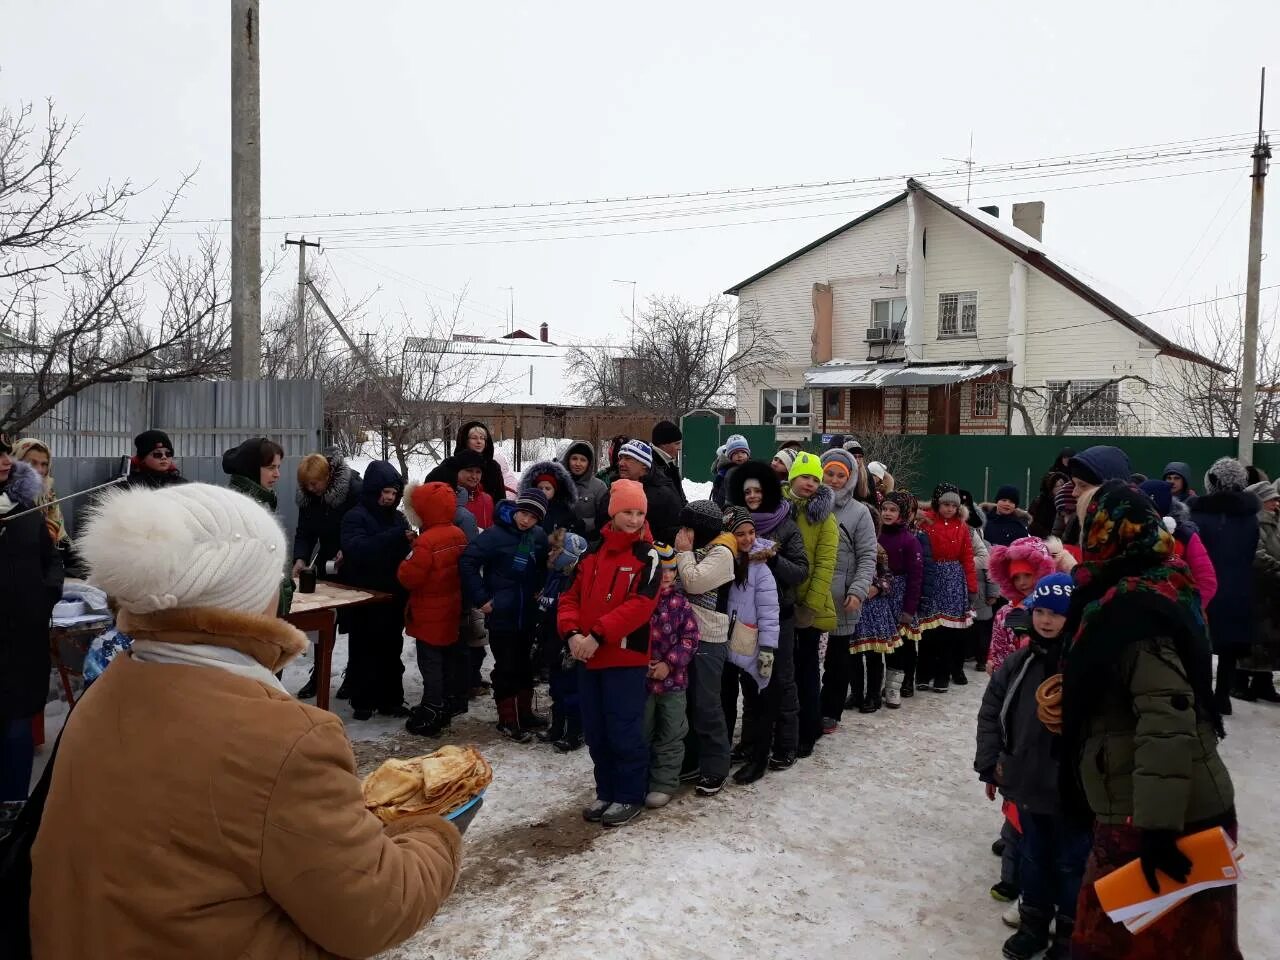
(922, 316)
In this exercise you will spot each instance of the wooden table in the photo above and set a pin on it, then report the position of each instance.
(68, 645)
(319, 612)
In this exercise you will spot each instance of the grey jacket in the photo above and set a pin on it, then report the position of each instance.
(591, 490)
(1011, 736)
(855, 558)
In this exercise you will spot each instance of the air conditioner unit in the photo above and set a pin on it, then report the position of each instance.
(884, 334)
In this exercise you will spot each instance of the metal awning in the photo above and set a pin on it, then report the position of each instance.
(837, 375)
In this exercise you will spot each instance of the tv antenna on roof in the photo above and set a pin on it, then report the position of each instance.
(968, 162)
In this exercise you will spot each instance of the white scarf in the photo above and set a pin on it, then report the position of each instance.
(206, 655)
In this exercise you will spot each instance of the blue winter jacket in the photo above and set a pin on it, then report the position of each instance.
(506, 567)
(1228, 524)
(374, 537)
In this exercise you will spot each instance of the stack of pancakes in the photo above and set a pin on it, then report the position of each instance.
(434, 784)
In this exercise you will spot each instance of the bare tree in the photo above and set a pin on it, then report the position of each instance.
(75, 311)
(1204, 401)
(681, 357)
(1057, 408)
(897, 451)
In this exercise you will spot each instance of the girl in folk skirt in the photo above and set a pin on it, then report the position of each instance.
(887, 616)
(955, 582)
(875, 635)
(908, 655)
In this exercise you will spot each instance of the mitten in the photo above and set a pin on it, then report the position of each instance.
(1158, 850)
(764, 663)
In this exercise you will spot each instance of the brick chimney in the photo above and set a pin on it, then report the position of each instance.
(543, 332)
(1029, 218)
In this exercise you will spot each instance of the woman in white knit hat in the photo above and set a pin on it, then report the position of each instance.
(196, 809)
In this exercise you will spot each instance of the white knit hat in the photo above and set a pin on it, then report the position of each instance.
(193, 545)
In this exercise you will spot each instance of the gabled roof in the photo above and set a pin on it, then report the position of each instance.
(1027, 248)
(733, 291)
(1034, 253)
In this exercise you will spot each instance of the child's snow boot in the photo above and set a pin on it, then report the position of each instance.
(555, 731)
(427, 720)
(509, 721)
(528, 719)
(1032, 937)
(893, 689)
(751, 771)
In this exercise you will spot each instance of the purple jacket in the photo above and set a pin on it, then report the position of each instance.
(756, 603)
(673, 640)
(906, 559)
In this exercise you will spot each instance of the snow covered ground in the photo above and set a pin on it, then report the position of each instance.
(881, 841)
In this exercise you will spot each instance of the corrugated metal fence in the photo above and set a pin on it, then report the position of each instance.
(88, 433)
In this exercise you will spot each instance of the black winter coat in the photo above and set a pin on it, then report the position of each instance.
(374, 537)
(1002, 531)
(26, 563)
(562, 511)
(505, 567)
(1228, 524)
(664, 508)
(320, 517)
(491, 476)
(1011, 736)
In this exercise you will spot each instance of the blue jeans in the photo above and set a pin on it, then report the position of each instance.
(1053, 858)
(17, 757)
(613, 703)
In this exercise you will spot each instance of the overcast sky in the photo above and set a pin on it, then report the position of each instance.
(395, 105)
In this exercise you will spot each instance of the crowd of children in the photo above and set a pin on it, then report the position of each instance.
(649, 647)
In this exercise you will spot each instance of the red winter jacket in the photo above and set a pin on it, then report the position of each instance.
(951, 541)
(430, 572)
(612, 598)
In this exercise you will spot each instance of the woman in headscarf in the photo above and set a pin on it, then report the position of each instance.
(36, 454)
(225, 817)
(1140, 729)
(253, 469)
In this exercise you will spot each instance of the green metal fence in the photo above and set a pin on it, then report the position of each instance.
(704, 433)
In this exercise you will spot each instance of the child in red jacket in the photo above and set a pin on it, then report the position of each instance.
(430, 574)
(604, 618)
(955, 586)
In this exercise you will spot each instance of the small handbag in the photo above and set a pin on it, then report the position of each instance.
(744, 638)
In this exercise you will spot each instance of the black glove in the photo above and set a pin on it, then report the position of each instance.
(1159, 851)
(463, 820)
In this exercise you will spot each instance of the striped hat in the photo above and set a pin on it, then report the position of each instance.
(533, 501)
(637, 450)
(667, 554)
(737, 517)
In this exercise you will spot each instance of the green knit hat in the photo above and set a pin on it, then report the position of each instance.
(806, 465)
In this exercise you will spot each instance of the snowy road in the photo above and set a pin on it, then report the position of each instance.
(880, 842)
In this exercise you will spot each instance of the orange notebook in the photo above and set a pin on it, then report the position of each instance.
(1126, 897)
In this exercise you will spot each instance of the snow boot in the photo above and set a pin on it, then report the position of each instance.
(528, 719)
(1061, 947)
(893, 689)
(1004, 892)
(941, 685)
(958, 678)
(569, 743)
(739, 754)
(1012, 917)
(554, 731)
(870, 705)
(1032, 937)
(709, 786)
(1264, 688)
(829, 726)
(620, 813)
(782, 761)
(656, 799)
(751, 771)
(427, 720)
(509, 721)
(393, 709)
(456, 706)
(309, 688)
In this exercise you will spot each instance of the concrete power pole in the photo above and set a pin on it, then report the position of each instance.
(300, 344)
(1249, 365)
(246, 194)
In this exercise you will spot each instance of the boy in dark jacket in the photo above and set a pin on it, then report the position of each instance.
(502, 570)
(1018, 754)
(375, 538)
(557, 485)
(1005, 521)
(565, 732)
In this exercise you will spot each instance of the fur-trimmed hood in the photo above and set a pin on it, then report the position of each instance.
(820, 505)
(269, 640)
(588, 451)
(24, 486)
(1030, 550)
(989, 509)
(335, 494)
(760, 471)
(1229, 502)
(429, 504)
(566, 488)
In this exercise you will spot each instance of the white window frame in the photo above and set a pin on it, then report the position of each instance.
(1101, 413)
(898, 325)
(958, 303)
(785, 406)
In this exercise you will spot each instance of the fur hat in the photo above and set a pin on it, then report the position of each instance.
(1052, 593)
(1264, 490)
(637, 450)
(627, 495)
(735, 443)
(805, 465)
(1028, 554)
(664, 431)
(533, 501)
(1226, 476)
(193, 545)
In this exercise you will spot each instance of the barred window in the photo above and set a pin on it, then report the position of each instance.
(1100, 409)
(958, 314)
(986, 400)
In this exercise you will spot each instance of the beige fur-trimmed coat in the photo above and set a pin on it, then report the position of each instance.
(200, 814)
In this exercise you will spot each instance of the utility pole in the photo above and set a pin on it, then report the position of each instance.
(246, 194)
(511, 323)
(633, 309)
(300, 332)
(968, 162)
(1249, 365)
